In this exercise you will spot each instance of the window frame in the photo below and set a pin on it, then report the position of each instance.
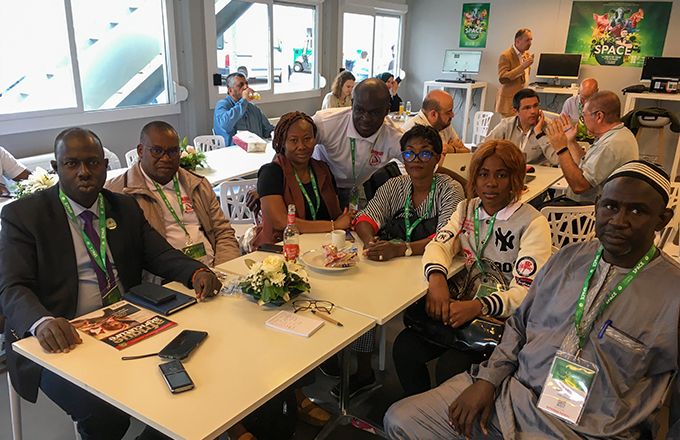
(268, 95)
(30, 121)
(374, 8)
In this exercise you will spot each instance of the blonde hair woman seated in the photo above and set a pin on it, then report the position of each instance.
(341, 91)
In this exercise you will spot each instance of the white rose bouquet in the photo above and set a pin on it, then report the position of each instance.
(190, 158)
(37, 181)
(274, 280)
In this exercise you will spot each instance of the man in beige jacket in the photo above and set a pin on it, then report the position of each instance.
(513, 71)
(177, 203)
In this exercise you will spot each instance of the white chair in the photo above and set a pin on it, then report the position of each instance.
(570, 224)
(480, 126)
(233, 200)
(114, 161)
(669, 233)
(131, 157)
(208, 142)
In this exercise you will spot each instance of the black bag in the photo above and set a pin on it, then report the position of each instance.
(481, 334)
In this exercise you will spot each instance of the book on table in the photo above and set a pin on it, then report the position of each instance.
(158, 298)
(289, 322)
(122, 324)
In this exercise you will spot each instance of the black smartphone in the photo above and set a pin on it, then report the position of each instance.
(176, 377)
(274, 248)
(183, 344)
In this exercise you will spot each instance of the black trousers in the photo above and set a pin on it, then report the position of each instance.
(96, 419)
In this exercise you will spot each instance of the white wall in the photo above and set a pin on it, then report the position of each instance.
(434, 25)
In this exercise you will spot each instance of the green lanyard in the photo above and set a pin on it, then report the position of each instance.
(313, 209)
(625, 282)
(353, 148)
(479, 249)
(169, 206)
(407, 211)
(98, 257)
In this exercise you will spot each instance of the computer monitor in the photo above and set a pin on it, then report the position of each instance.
(462, 61)
(558, 65)
(660, 67)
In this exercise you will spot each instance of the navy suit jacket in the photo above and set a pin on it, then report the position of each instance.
(39, 274)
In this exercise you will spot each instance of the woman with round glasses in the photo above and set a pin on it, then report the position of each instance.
(401, 219)
(407, 210)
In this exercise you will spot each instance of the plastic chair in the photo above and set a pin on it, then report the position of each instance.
(671, 229)
(233, 200)
(480, 126)
(208, 142)
(114, 161)
(131, 157)
(570, 224)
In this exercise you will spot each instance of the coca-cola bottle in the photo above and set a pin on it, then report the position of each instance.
(291, 237)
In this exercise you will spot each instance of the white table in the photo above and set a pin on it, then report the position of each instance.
(545, 178)
(241, 365)
(631, 98)
(377, 289)
(468, 89)
(224, 164)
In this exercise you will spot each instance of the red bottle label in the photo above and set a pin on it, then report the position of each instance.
(291, 251)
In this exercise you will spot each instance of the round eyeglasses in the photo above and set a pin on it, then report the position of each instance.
(410, 155)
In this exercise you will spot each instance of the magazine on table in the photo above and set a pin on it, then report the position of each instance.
(122, 324)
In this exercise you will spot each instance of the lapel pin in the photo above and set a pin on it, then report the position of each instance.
(111, 223)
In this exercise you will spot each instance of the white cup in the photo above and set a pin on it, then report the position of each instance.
(337, 238)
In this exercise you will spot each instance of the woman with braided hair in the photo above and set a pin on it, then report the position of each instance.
(294, 177)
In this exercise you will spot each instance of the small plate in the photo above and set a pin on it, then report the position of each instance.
(315, 259)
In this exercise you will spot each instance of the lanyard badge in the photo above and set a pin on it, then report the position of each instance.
(570, 379)
(407, 211)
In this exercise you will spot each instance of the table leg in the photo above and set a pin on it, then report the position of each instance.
(466, 112)
(344, 418)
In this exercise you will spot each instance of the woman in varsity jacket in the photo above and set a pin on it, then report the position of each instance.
(504, 242)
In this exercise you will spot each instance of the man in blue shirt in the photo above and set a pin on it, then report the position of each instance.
(237, 112)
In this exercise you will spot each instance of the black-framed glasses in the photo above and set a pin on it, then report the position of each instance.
(410, 155)
(312, 304)
(158, 152)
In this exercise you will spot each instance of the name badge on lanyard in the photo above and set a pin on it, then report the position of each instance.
(195, 250)
(568, 386)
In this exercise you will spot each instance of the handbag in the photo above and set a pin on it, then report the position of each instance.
(481, 334)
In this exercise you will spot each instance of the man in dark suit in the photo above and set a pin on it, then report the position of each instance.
(513, 71)
(70, 250)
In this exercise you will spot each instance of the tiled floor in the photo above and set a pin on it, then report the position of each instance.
(45, 421)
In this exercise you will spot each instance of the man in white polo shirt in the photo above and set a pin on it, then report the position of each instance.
(10, 168)
(357, 141)
(614, 145)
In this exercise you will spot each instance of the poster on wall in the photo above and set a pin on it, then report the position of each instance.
(617, 33)
(474, 25)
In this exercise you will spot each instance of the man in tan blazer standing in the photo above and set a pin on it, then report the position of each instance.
(513, 71)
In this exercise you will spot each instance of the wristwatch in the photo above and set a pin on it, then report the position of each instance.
(485, 308)
(408, 252)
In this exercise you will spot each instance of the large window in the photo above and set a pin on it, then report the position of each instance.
(272, 43)
(82, 55)
(371, 40)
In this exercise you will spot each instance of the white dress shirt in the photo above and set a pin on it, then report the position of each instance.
(89, 296)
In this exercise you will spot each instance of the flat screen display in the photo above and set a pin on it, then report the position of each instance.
(462, 61)
(660, 67)
(558, 65)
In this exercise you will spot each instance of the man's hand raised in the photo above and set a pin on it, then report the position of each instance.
(57, 335)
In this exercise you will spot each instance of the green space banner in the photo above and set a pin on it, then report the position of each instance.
(474, 25)
(617, 33)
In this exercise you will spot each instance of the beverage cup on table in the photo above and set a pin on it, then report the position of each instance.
(337, 238)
